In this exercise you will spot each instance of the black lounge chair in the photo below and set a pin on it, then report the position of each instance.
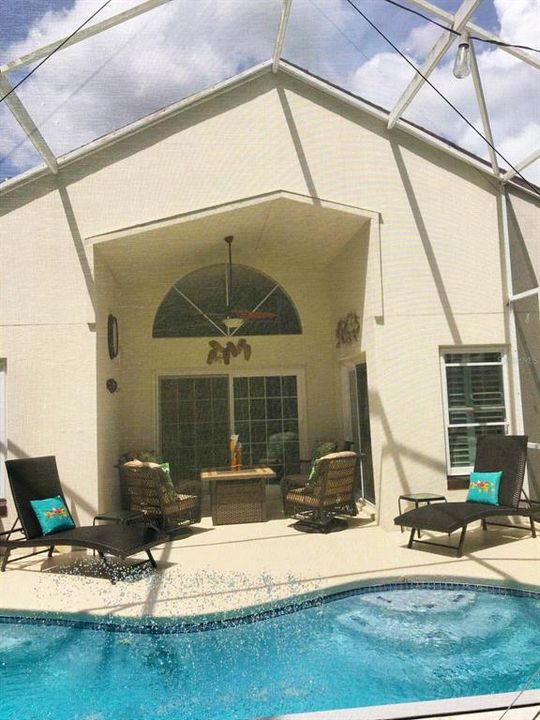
(494, 452)
(37, 479)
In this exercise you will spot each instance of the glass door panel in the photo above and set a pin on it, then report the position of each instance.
(266, 419)
(195, 422)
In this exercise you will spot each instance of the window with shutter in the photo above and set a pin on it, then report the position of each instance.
(475, 403)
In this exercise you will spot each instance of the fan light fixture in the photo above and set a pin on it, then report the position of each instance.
(462, 63)
(233, 323)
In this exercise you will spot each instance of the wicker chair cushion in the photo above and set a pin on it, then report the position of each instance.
(183, 502)
(303, 496)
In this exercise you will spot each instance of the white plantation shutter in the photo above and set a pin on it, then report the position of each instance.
(475, 403)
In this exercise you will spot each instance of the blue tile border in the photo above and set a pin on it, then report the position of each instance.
(163, 626)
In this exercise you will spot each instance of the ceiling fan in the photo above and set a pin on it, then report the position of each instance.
(235, 318)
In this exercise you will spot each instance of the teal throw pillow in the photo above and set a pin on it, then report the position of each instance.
(52, 515)
(484, 487)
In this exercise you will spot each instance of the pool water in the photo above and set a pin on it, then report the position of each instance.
(353, 649)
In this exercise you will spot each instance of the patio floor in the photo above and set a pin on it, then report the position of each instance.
(225, 569)
(229, 567)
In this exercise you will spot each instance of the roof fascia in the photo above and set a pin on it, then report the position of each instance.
(237, 81)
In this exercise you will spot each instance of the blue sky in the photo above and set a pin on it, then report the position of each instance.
(107, 81)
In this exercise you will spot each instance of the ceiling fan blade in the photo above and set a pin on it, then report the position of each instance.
(255, 315)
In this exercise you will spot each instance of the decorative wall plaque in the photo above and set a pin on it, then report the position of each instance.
(219, 352)
(347, 329)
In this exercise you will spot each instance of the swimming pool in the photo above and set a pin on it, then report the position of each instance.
(364, 646)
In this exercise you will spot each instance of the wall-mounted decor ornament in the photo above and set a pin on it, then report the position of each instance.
(347, 329)
(111, 385)
(219, 352)
(112, 336)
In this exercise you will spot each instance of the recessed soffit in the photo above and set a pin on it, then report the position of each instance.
(270, 230)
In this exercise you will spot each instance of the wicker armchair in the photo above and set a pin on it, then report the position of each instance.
(301, 479)
(150, 490)
(329, 493)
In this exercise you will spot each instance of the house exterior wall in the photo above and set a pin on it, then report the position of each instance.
(48, 341)
(440, 266)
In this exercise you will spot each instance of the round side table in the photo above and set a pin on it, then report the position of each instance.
(418, 499)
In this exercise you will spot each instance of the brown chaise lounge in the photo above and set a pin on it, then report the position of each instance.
(507, 453)
(37, 479)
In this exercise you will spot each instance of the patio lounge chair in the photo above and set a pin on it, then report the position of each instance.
(37, 479)
(506, 453)
(151, 491)
(330, 492)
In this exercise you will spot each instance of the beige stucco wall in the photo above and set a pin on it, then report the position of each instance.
(108, 404)
(440, 269)
(48, 341)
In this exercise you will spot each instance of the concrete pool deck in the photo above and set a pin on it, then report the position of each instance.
(226, 569)
(230, 567)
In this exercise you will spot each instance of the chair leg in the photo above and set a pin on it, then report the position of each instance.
(153, 563)
(461, 540)
(5, 559)
(484, 525)
(51, 550)
(533, 529)
(411, 538)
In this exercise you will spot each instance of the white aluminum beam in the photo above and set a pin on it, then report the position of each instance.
(521, 165)
(463, 13)
(510, 311)
(21, 115)
(477, 82)
(524, 294)
(82, 34)
(478, 31)
(280, 37)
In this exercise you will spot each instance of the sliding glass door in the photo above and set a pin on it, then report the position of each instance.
(198, 414)
(195, 423)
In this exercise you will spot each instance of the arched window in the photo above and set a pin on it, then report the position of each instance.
(196, 305)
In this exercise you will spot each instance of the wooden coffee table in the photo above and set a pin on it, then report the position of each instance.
(238, 496)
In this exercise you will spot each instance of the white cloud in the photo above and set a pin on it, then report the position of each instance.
(113, 78)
